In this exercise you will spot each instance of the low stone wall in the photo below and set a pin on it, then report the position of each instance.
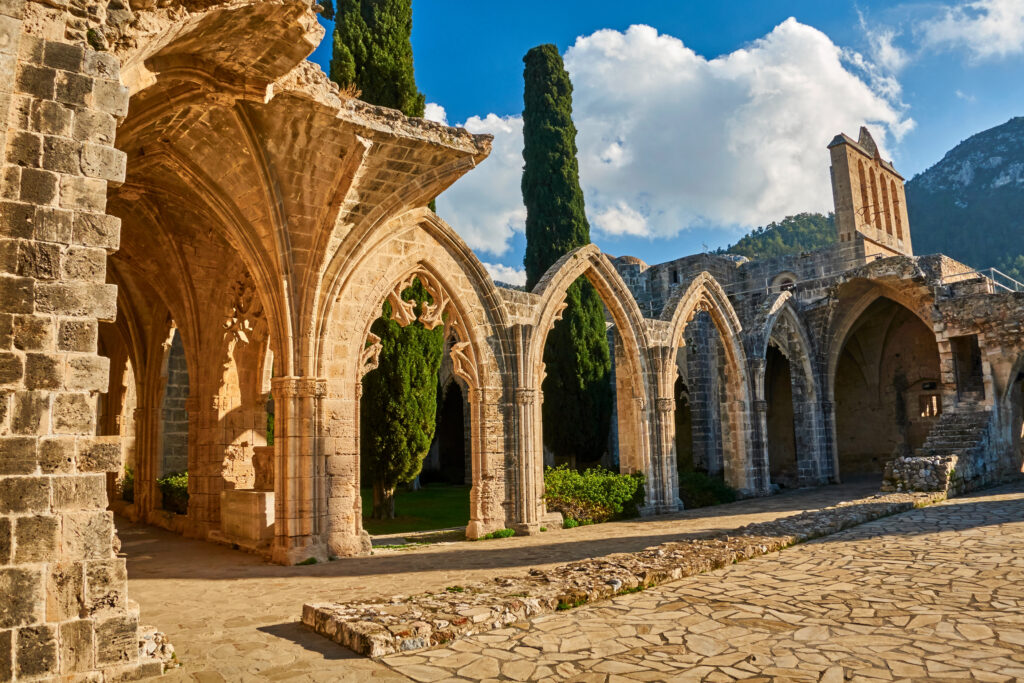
(405, 624)
(919, 473)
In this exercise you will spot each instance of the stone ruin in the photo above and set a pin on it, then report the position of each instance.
(197, 228)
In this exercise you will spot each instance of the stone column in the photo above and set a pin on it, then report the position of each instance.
(761, 477)
(146, 459)
(65, 611)
(529, 459)
(830, 454)
(663, 480)
(299, 483)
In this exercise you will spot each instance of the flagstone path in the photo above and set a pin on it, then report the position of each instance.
(932, 594)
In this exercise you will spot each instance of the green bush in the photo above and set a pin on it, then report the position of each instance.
(698, 490)
(500, 533)
(594, 495)
(128, 485)
(174, 489)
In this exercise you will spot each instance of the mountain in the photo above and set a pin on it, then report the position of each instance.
(970, 205)
(792, 235)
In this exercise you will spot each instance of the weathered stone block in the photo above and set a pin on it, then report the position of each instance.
(76, 646)
(77, 299)
(6, 331)
(87, 373)
(85, 264)
(99, 454)
(32, 332)
(102, 161)
(9, 256)
(97, 230)
(79, 492)
(31, 412)
(63, 56)
(10, 187)
(51, 118)
(76, 192)
(94, 126)
(31, 49)
(87, 535)
(16, 219)
(38, 260)
(12, 369)
(56, 455)
(77, 335)
(9, 30)
(36, 651)
(117, 640)
(24, 494)
(110, 97)
(23, 597)
(25, 148)
(102, 64)
(73, 88)
(65, 591)
(106, 585)
(43, 371)
(17, 455)
(39, 81)
(38, 538)
(6, 655)
(5, 540)
(62, 155)
(17, 293)
(53, 225)
(38, 186)
(73, 414)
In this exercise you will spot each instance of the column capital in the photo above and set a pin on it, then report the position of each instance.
(761, 406)
(525, 396)
(298, 387)
(665, 404)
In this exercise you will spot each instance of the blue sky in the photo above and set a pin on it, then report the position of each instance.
(715, 118)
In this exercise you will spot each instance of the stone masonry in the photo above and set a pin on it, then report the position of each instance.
(181, 166)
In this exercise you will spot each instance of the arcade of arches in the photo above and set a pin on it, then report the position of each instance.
(198, 230)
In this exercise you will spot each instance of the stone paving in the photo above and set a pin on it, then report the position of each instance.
(931, 594)
(233, 617)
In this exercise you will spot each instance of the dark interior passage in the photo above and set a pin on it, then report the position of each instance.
(778, 388)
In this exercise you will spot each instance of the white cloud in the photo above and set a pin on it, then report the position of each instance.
(966, 97)
(506, 274)
(486, 205)
(670, 140)
(985, 28)
(435, 112)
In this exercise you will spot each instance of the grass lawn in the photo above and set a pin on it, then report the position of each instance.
(437, 506)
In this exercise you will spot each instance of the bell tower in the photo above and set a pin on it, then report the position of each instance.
(871, 205)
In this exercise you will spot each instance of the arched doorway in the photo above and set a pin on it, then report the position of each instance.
(780, 419)
(886, 387)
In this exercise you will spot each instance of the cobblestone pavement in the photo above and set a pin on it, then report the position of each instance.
(233, 617)
(932, 594)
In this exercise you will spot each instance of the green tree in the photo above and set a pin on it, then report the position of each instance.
(372, 52)
(577, 391)
(792, 235)
(399, 405)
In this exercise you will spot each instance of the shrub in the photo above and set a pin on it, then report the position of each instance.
(174, 489)
(592, 496)
(500, 533)
(698, 490)
(128, 485)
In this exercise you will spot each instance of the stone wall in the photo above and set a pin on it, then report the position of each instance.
(65, 607)
(173, 415)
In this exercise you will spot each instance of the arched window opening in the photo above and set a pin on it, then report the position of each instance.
(886, 206)
(896, 209)
(865, 205)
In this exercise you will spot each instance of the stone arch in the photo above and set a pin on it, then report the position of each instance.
(416, 245)
(633, 406)
(781, 325)
(705, 294)
(880, 382)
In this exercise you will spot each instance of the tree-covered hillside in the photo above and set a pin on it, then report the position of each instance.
(792, 235)
(970, 205)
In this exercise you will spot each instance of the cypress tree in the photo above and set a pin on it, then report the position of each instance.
(577, 391)
(399, 405)
(373, 54)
